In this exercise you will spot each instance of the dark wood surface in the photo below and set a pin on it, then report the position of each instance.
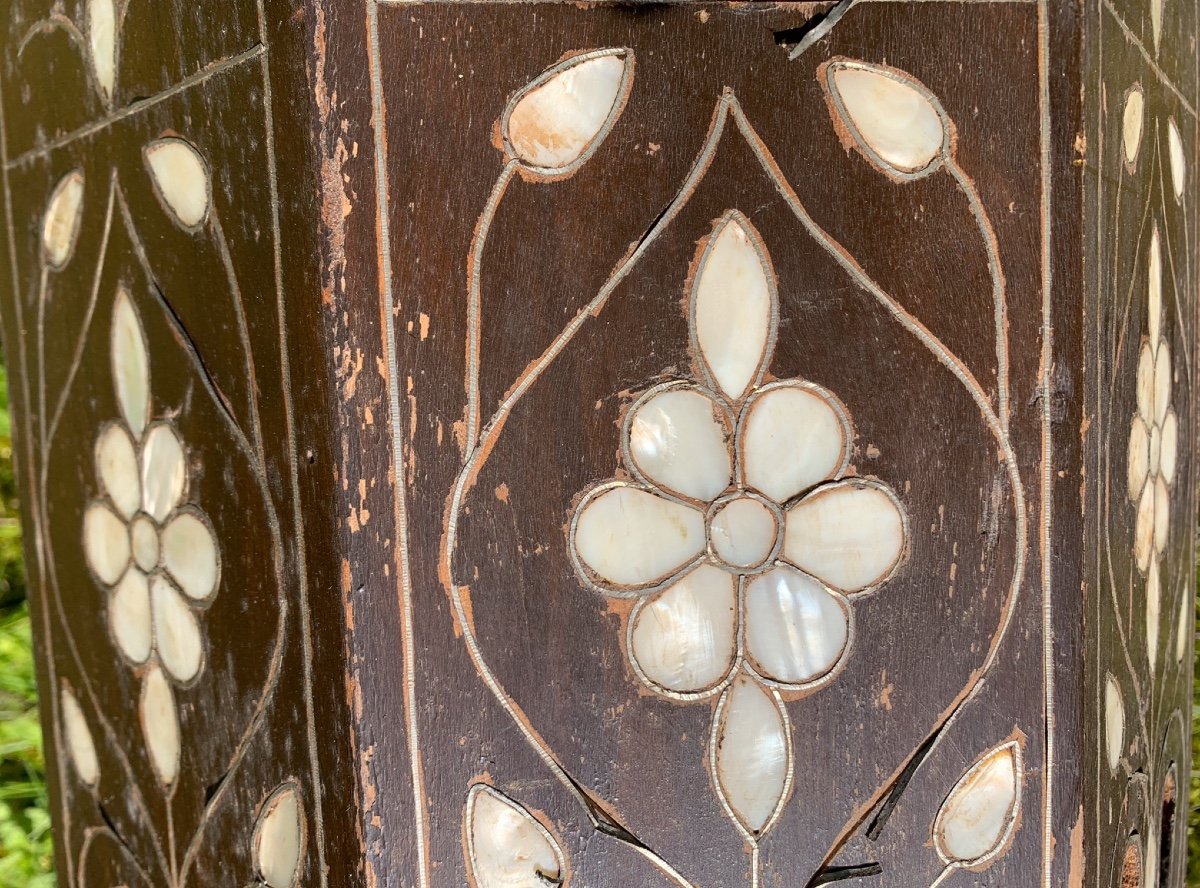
(399, 616)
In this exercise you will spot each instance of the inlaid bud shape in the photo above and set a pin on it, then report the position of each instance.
(506, 846)
(977, 817)
(279, 838)
(890, 118)
(181, 178)
(60, 225)
(556, 122)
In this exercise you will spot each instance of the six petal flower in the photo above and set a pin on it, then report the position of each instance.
(740, 535)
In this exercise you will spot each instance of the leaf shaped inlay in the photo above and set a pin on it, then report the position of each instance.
(895, 122)
(506, 846)
(557, 121)
(181, 178)
(279, 838)
(160, 725)
(977, 817)
(102, 45)
(130, 363)
(60, 225)
(751, 754)
(80, 746)
(733, 305)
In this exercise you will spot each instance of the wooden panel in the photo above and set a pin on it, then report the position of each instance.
(558, 300)
(186, 247)
(1140, 597)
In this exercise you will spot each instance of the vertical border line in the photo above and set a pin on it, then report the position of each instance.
(387, 311)
(1047, 446)
(285, 375)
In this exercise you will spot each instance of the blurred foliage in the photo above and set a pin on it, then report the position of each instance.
(25, 848)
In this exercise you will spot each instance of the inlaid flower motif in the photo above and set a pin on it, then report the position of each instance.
(1153, 443)
(740, 534)
(155, 554)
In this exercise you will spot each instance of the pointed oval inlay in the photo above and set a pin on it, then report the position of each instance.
(977, 817)
(560, 118)
(733, 304)
(60, 225)
(506, 846)
(279, 838)
(893, 120)
(752, 754)
(181, 179)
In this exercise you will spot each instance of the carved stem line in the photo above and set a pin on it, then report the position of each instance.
(388, 322)
(43, 281)
(964, 375)
(987, 234)
(479, 453)
(943, 876)
(272, 677)
(285, 375)
(475, 298)
(55, 21)
(243, 327)
(135, 108)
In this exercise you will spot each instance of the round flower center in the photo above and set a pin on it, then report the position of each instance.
(742, 531)
(143, 538)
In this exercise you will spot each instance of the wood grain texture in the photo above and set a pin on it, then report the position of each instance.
(403, 356)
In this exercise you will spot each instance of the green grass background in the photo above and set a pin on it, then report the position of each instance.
(26, 857)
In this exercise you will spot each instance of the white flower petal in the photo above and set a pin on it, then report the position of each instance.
(1162, 514)
(160, 725)
(176, 632)
(279, 838)
(80, 745)
(796, 630)
(752, 754)
(1163, 373)
(848, 534)
(1169, 449)
(743, 531)
(677, 440)
(506, 846)
(1178, 160)
(1156, 18)
(1131, 123)
(1153, 612)
(733, 300)
(129, 616)
(189, 553)
(792, 437)
(117, 468)
(130, 363)
(1143, 534)
(1138, 469)
(631, 537)
(562, 115)
(60, 225)
(1114, 722)
(102, 45)
(180, 176)
(1155, 450)
(164, 471)
(1154, 286)
(684, 638)
(105, 543)
(977, 817)
(892, 119)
